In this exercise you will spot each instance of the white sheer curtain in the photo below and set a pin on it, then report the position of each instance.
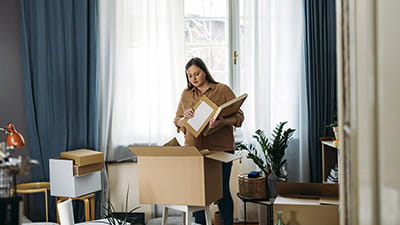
(141, 73)
(272, 72)
(141, 70)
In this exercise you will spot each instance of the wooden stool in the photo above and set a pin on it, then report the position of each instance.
(88, 201)
(188, 212)
(35, 187)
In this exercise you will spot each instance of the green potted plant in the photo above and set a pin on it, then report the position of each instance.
(270, 158)
(335, 127)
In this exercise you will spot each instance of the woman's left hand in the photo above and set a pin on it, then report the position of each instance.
(214, 123)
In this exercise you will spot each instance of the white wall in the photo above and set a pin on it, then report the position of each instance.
(11, 84)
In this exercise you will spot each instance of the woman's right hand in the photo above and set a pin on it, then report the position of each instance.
(188, 113)
(181, 127)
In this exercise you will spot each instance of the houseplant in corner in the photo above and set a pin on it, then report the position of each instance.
(270, 158)
(118, 218)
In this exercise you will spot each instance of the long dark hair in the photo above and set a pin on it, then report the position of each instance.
(199, 63)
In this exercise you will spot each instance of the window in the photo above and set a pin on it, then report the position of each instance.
(207, 35)
(145, 44)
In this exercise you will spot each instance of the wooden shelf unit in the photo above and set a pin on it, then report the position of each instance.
(329, 158)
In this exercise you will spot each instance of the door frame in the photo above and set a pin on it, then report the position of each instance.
(357, 104)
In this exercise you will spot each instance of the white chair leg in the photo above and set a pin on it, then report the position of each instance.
(188, 217)
(208, 215)
(184, 218)
(187, 213)
(164, 216)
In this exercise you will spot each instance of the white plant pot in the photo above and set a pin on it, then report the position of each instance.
(336, 132)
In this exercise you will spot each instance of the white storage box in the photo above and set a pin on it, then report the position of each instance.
(64, 183)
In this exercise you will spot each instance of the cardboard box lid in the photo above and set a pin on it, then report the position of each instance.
(83, 157)
(307, 194)
(176, 151)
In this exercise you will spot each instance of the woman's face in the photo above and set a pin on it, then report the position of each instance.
(196, 76)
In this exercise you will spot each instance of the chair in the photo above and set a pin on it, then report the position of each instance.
(66, 215)
(88, 201)
(35, 187)
(65, 212)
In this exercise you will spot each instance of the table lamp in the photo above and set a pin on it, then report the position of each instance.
(14, 138)
(10, 167)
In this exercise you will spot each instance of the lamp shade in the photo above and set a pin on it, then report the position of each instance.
(14, 138)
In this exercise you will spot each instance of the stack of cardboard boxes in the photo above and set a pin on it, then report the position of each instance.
(76, 173)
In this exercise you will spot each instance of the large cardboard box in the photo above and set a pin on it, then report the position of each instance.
(64, 183)
(307, 203)
(180, 175)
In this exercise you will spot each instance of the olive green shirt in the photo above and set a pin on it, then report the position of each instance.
(220, 140)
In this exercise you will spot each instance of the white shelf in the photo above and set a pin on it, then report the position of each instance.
(329, 143)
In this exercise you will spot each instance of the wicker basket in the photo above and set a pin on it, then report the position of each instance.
(252, 187)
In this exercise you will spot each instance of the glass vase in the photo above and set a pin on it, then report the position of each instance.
(279, 220)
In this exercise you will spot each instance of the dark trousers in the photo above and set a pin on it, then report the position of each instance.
(225, 204)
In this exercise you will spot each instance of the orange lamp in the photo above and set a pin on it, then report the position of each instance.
(14, 138)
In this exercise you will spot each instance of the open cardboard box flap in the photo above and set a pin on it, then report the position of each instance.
(296, 201)
(308, 193)
(174, 151)
(164, 151)
(329, 200)
(222, 156)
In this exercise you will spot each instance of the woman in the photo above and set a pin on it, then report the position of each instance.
(200, 82)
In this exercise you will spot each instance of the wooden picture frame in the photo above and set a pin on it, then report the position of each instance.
(200, 120)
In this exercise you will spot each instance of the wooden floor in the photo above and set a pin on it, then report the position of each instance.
(249, 223)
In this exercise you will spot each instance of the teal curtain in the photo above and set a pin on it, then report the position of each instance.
(59, 50)
(320, 51)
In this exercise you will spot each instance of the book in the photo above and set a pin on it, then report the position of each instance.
(205, 110)
(225, 110)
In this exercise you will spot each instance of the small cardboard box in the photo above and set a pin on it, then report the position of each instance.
(172, 175)
(64, 183)
(307, 203)
(83, 157)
